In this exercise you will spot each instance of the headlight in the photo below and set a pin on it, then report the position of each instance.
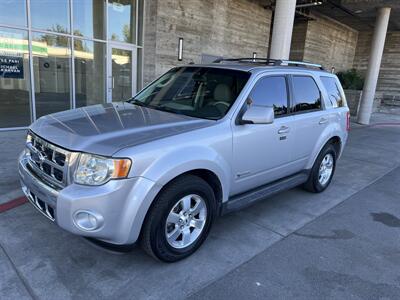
(97, 170)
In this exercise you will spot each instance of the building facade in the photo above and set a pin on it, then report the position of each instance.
(58, 55)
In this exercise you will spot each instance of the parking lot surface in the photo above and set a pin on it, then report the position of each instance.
(351, 252)
(341, 243)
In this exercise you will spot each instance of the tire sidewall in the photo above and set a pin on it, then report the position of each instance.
(160, 245)
(328, 149)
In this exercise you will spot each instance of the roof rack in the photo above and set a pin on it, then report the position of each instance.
(270, 62)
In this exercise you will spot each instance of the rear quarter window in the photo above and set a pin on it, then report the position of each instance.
(336, 97)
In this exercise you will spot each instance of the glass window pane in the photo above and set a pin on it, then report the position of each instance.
(90, 70)
(306, 94)
(50, 15)
(122, 20)
(51, 67)
(14, 78)
(271, 91)
(89, 18)
(121, 80)
(13, 12)
(336, 98)
(199, 92)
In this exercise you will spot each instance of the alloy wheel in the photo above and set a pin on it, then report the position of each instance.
(185, 221)
(325, 169)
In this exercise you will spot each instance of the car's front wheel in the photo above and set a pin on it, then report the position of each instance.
(179, 220)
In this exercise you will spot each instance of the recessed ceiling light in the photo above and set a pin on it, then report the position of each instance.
(359, 11)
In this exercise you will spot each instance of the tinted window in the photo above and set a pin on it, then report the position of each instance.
(194, 91)
(306, 94)
(271, 91)
(336, 98)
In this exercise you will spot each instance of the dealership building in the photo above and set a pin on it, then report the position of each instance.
(62, 54)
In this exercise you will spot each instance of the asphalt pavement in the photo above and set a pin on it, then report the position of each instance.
(351, 252)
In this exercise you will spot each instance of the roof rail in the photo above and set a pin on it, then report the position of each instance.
(301, 64)
(270, 62)
(267, 61)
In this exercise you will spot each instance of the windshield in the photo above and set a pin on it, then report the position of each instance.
(194, 91)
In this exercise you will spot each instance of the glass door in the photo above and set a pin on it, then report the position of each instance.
(122, 73)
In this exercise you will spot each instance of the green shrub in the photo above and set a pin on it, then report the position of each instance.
(351, 79)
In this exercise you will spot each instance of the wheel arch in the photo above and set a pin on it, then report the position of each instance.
(335, 140)
(208, 176)
(212, 179)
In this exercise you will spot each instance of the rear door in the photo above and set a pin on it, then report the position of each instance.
(310, 118)
(262, 152)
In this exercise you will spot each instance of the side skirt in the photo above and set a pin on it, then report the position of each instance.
(248, 198)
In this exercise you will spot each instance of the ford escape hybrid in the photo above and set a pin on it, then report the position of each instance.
(198, 142)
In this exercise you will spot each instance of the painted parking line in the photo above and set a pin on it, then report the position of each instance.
(13, 204)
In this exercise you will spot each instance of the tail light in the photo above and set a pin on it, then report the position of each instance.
(348, 121)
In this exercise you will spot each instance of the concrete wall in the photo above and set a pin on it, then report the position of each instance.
(230, 28)
(149, 40)
(389, 75)
(324, 41)
(298, 40)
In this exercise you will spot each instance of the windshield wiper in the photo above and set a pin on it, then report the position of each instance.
(137, 102)
(143, 104)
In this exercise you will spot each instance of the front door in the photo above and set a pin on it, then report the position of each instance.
(263, 152)
(121, 81)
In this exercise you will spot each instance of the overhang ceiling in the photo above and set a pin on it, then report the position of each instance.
(358, 14)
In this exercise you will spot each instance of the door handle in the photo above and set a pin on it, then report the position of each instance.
(283, 129)
(323, 121)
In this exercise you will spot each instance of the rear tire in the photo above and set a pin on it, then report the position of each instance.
(322, 171)
(179, 220)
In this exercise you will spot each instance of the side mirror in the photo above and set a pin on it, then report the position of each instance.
(258, 115)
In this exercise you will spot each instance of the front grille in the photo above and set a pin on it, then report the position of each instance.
(48, 162)
(42, 206)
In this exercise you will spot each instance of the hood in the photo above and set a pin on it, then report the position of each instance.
(107, 128)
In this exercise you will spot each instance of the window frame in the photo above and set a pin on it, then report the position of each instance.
(288, 94)
(293, 104)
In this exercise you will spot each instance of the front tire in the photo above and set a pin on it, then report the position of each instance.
(180, 219)
(322, 170)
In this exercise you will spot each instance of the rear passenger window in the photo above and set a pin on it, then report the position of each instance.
(306, 94)
(271, 91)
(336, 99)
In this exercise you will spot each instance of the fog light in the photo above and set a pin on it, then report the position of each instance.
(87, 220)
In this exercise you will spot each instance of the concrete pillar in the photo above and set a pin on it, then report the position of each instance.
(282, 29)
(374, 64)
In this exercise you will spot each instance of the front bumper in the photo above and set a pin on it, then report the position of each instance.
(120, 204)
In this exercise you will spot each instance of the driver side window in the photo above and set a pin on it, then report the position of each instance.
(271, 91)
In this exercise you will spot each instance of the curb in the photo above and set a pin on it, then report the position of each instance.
(13, 204)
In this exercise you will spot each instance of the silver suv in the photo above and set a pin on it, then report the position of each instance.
(197, 143)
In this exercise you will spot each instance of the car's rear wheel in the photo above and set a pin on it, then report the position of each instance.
(322, 171)
(179, 220)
